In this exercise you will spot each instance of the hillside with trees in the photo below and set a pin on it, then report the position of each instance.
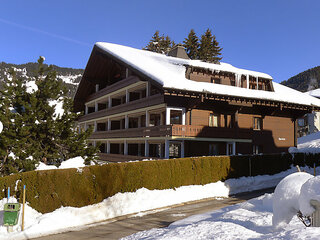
(69, 76)
(305, 81)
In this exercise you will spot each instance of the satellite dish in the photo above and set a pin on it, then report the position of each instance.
(1, 126)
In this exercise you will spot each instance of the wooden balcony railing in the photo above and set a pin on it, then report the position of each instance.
(156, 131)
(176, 130)
(212, 132)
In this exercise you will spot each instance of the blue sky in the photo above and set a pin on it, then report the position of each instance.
(281, 38)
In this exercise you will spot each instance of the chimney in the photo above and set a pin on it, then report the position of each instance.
(179, 52)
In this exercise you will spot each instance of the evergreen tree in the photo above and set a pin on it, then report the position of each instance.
(166, 44)
(206, 49)
(209, 49)
(191, 44)
(33, 131)
(154, 43)
(160, 44)
(216, 49)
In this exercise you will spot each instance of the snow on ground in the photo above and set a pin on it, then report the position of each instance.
(308, 144)
(257, 218)
(249, 214)
(69, 78)
(247, 220)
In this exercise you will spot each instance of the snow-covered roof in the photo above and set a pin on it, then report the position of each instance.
(170, 73)
(314, 93)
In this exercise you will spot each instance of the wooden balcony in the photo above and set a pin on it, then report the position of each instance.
(114, 87)
(176, 130)
(137, 104)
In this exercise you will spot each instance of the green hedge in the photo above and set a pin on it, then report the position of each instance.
(48, 190)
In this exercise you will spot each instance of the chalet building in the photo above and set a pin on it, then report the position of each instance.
(145, 104)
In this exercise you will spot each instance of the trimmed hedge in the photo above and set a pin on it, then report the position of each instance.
(48, 190)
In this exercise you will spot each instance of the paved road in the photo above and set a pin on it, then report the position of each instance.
(122, 227)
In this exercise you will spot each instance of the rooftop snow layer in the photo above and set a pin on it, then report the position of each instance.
(314, 93)
(170, 73)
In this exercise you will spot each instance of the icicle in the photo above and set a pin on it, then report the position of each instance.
(238, 79)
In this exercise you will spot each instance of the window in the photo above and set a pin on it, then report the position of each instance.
(257, 149)
(174, 150)
(229, 121)
(176, 117)
(213, 120)
(301, 122)
(213, 149)
(154, 120)
(216, 80)
(230, 149)
(257, 123)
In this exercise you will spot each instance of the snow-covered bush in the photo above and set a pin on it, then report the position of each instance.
(310, 190)
(286, 198)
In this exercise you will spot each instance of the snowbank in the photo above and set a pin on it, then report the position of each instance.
(309, 190)
(308, 144)
(286, 198)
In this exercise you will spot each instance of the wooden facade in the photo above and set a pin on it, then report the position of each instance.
(133, 115)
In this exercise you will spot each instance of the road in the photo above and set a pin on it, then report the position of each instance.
(125, 226)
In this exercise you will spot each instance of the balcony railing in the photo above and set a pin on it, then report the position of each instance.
(176, 130)
(212, 132)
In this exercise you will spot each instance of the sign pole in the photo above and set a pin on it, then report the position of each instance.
(23, 205)
(8, 194)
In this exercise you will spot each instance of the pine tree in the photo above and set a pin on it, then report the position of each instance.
(33, 131)
(206, 49)
(209, 49)
(160, 44)
(16, 139)
(154, 43)
(191, 44)
(166, 44)
(217, 50)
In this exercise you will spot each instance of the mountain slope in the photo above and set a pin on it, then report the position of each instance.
(305, 81)
(70, 76)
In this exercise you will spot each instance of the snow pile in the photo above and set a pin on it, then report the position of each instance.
(43, 166)
(310, 190)
(307, 144)
(76, 162)
(286, 198)
(170, 72)
(73, 163)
